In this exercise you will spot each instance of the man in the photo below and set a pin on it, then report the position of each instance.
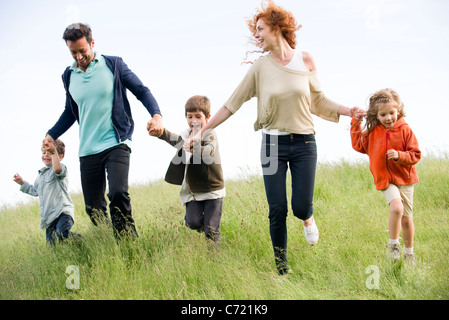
(95, 88)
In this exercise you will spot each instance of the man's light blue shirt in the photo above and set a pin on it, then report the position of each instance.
(93, 91)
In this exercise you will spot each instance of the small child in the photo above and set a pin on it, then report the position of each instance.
(393, 152)
(57, 209)
(198, 172)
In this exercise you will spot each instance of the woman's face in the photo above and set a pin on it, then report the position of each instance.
(265, 35)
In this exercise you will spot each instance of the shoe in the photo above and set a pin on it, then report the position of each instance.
(409, 258)
(394, 251)
(311, 233)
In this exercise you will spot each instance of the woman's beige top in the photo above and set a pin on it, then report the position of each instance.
(286, 98)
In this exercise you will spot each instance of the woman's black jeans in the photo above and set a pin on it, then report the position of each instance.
(298, 152)
(113, 165)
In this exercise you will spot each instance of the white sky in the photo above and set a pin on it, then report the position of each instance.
(182, 48)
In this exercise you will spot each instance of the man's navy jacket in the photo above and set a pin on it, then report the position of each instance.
(122, 120)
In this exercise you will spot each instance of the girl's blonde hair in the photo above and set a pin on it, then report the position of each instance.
(381, 97)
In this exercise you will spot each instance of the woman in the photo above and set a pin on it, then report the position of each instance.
(288, 92)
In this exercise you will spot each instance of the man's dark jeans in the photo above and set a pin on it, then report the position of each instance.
(111, 165)
(298, 152)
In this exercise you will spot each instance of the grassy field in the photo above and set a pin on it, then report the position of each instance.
(169, 261)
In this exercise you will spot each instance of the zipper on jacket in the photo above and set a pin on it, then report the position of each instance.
(70, 100)
(386, 157)
(115, 128)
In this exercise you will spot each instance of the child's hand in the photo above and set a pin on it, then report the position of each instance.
(48, 144)
(358, 113)
(191, 140)
(392, 154)
(18, 179)
(155, 127)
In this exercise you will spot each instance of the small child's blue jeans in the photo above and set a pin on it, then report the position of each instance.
(60, 229)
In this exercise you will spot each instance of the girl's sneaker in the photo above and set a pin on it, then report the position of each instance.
(409, 258)
(394, 251)
(311, 233)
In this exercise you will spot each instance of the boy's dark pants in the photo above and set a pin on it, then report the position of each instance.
(59, 228)
(113, 165)
(205, 215)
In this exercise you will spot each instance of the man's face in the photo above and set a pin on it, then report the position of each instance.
(82, 52)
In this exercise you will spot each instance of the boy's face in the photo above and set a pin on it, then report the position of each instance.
(196, 117)
(46, 158)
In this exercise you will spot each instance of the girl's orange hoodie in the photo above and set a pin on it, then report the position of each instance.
(400, 138)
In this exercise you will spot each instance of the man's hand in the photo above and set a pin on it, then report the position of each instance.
(48, 144)
(155, 127)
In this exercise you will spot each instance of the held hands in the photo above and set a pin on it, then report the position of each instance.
(358, 113)
(193, 138)
(392, 154)
(48, 144)
(155, 127)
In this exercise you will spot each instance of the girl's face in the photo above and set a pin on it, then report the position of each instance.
(387, 114)
(265, 35)
(196, 118)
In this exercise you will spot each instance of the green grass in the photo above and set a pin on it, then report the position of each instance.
(170, 261)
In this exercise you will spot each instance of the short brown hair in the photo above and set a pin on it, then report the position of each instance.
(198, 103)
(60, 146)
(76, 31)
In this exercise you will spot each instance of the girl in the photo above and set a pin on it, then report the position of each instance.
(393, 151)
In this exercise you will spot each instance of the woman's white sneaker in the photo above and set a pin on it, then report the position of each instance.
(311, 233)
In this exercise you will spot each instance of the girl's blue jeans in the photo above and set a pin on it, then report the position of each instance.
(278, 153)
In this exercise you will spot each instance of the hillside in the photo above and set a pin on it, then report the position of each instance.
(169, 261)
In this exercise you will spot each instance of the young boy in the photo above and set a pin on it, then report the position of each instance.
(57, 209)
(198, 172)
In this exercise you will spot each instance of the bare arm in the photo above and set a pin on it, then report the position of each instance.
(221, 116)
(309, 63)
(345, 111)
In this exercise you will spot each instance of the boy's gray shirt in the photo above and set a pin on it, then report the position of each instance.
(52, 190)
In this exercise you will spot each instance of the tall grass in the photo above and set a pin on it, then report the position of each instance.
(170, 261)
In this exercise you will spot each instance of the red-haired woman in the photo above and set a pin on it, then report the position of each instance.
(288, 93)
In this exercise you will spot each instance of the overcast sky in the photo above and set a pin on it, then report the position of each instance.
(182, 48)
